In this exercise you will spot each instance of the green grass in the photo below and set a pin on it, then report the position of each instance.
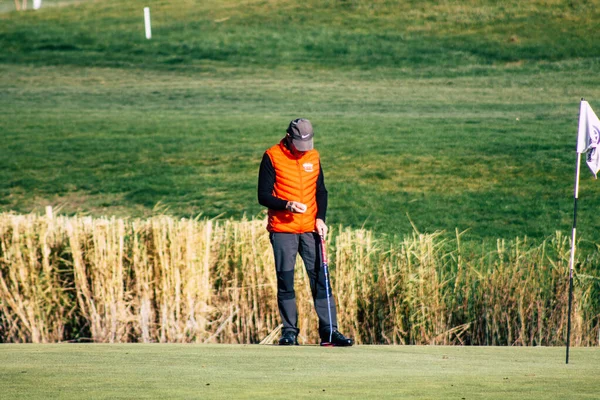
(229, 371)
(452, 115)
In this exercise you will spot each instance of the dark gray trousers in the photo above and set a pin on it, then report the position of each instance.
(285, 247)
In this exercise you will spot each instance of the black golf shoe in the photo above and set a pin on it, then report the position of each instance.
(288, 339)
(337, 340)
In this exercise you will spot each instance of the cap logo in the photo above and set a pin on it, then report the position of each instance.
(305, 136)
(308, 167)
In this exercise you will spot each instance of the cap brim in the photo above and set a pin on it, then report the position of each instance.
(303, 145)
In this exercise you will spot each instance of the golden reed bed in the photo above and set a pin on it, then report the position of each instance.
(164, 279)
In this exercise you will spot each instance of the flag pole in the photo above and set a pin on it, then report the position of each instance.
(572, 260)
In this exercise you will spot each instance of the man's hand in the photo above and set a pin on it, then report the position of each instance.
(295, 207)
(321, 227)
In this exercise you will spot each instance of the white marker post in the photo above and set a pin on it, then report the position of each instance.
(37, 4)
(147, 22)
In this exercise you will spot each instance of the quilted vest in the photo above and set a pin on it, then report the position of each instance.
(295, 180)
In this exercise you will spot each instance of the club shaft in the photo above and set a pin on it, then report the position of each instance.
(326, 271)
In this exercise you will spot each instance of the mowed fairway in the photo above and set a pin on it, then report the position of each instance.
(466, 153)
(452, 116)
(234, 371)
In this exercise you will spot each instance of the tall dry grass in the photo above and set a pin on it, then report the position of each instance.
(178, 280)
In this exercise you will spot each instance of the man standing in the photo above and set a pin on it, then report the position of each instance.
(291, 186)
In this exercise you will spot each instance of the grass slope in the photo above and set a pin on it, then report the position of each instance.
(455, 115)
(227, 371)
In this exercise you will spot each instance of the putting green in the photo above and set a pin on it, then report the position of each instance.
(252, 371)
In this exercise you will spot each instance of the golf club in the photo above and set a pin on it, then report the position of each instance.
(325, 269)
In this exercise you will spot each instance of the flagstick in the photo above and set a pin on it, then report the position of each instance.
(572, 261)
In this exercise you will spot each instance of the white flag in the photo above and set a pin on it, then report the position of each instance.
(588, 137)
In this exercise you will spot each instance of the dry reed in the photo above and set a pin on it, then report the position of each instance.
(164, 279)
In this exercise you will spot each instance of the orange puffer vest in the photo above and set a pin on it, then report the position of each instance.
(295, 180)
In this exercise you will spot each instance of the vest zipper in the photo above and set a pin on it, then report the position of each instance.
(301, 194)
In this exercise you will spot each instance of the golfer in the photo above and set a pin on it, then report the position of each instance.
(291, 186)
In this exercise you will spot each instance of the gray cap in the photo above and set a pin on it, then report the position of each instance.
(302, 134)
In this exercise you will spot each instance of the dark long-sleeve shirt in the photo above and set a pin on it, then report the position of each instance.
(266, 183)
